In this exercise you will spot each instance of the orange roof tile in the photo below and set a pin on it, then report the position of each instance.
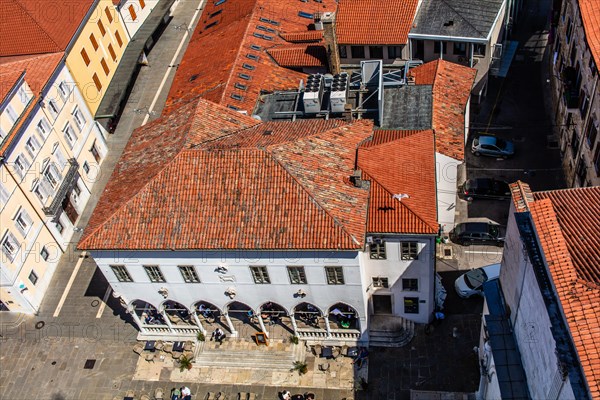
(38, 70)
(34, 27)
(400, 162)
(300, 56)
(173, 188)
(218, 52)
(590, 15)
(374, 21)
(452, 84)
(302, 36)
(567, 223)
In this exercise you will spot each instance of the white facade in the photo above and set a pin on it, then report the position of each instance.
(447, 178)
(134, 13)
(47, 175)
(226, 277)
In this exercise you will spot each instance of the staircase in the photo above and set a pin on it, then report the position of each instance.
(249, 355)
(390, 331)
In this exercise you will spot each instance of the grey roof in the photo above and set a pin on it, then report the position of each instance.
(459, 18)
(408, 107)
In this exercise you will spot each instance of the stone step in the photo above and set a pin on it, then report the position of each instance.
(249, 358)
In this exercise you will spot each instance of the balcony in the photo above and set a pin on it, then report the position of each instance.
(571, 88)
(66, 185)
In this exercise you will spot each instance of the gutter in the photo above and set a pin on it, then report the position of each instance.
(424, 36)
(82, 25)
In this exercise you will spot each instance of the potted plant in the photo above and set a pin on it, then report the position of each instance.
(200, 337)
(185, 362)
(294, 339)
(301, 367)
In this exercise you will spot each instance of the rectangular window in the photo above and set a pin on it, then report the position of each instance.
(357, 51)
(44, 253)
(93, 41)
(78, 117)
(569, 30)
(459, 49)
(478, 49)
(260, 274)
(409, 250)
(335, 275)
(101, 27)
(188, 272)
(108, 14)
(132, 12)
(3, 195)
(591, 134)
(23, 222)
(437, 45)
(121, 273)
(377, 249)
(32, 146)
(410, 284)
(53, 108)
(394, 52)
(95, 152)
(297, 275)
(43, 128)
(97, 82)
(60, 158)
(10, 246)
(113, 55)
(597, 160)
(63, 90)
(104, 66)
(21, 165)
(376, 52)
(24, 96)
(69, 135)
(12, 115)
(33, 278)
(142, 4)
(411, 305)
(86, 167)
(118, 37)
(59, 227)
(52, 175)
(381, 282)
(343, 52)
(86, 58)
(154, 273)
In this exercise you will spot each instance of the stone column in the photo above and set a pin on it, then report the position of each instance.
(167, 320)
(234, 333)
(326, 317)
(262, 324)
(197, 320)
(294, 326)
(137, 320)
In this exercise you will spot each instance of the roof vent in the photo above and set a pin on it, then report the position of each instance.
(267, 133)
(194, 77)
(449, 23)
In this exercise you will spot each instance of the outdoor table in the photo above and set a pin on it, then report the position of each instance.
(327, 352)
(352, 351)
(298, 397)
(150, 345)
(178, 346)
(127, 398)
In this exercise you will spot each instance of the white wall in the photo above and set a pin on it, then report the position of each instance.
(140, 13)
(386, 60)
(446, 177)
(396, 269)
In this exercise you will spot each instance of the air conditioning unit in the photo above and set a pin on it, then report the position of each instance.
(313, 94)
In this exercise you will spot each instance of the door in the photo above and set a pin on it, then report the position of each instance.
(69, 209)
(382, 304)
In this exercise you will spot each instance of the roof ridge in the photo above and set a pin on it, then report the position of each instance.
(381, 142)
(436, 228)
(308, 192)
(38, 25)
(463, 18)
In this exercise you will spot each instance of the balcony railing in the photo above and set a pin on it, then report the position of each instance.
(66, 185)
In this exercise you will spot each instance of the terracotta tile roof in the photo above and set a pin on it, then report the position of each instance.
(218, 52)
(590, 15)
(38, 70)
(173, 189)
(31, 27)
(302, 36)
(300, 56)
(374, 21)
(567, 223)
(452, 84)
(400, 162)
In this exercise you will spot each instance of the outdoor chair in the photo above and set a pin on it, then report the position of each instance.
(159, 394)
(317, 350)
(168, 348)
(210, 396)
(149, 357)
(138, 349)
(336, 352)
(144, 397)
(243, 396)
(176, 355)
(159, 345)
(130, 393)
(324, 367)
(221, 396)
(251, 396)
(188, 346)
(345, 350)
(189, 354)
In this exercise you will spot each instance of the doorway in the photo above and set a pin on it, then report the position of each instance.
(382, 304)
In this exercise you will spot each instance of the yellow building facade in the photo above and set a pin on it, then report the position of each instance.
(94, 56)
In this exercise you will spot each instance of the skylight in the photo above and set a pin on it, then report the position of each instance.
(269, 21)
(240, 86)
(248, 66)
(245, 76)
(236, 96)
(252, 56)
(305, 15)
(219, 2)
(255, 47)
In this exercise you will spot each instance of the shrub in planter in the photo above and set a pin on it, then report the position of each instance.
(294, 339)
(301, 367)
(185, 363)
(200, 337)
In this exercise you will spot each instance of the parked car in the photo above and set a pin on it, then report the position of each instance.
(467, 233)
(471, 283)
(492, 146)
(485, 188)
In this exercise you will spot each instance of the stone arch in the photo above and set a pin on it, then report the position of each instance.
(344, 316)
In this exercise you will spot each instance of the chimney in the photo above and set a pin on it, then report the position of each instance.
(355, 178)
(333, 56)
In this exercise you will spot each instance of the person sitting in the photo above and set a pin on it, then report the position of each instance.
(218, 335)
(286, 395)
(175, 394)
(362, 355)
(309, 396)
